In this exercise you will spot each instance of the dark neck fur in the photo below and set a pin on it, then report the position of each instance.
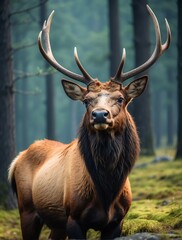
(108, 159)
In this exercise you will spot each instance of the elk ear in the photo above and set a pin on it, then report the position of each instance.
(136, 88)
(73, 90)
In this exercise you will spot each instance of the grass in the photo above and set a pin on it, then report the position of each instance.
(9, 225)
(157, 199)
(156, 207)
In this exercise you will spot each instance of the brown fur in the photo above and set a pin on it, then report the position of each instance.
(84, 184)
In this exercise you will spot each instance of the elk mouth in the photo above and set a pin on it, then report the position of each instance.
(102, 125)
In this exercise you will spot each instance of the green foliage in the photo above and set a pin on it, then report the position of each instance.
(9, 225)
(157, 199)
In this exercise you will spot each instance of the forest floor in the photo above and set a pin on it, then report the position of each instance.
(156, 211)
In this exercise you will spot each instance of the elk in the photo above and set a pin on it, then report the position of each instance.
(84, 184)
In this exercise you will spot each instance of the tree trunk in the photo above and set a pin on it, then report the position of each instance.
(179, 80)
(158, 118)
(7, 111)
(50, 109)
(114, 38)
(170, 111)
(141, 106)
(24, 110)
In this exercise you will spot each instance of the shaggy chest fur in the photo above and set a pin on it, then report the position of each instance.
(108, 159)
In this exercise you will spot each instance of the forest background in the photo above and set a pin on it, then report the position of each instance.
(42, 110)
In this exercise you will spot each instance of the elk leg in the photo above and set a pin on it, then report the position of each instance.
(31, 225)
(57, 234)
(111, 231)
(74, 230)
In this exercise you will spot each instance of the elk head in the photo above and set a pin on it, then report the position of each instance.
(105, 102)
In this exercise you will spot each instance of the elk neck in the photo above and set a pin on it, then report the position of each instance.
(109, 158)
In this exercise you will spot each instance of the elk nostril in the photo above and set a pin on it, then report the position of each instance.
(106, 113)
(94, 115)
(100, 116)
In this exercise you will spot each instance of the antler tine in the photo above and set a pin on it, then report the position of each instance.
(85, 74)
(167, 43)
(48, 55)
(158, 51)
(120, 68)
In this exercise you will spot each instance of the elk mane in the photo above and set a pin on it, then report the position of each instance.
(109, 158)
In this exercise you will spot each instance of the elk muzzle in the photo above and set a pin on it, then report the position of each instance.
(101, 119)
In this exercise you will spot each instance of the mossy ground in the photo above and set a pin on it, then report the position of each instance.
(156, 207)
(157, 199)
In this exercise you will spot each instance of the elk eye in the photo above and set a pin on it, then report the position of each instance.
(86, 102)
(120, 99)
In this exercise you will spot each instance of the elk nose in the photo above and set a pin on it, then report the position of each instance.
(100, 116)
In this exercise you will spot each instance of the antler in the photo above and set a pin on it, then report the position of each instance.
(48, 55)
(158, 51)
